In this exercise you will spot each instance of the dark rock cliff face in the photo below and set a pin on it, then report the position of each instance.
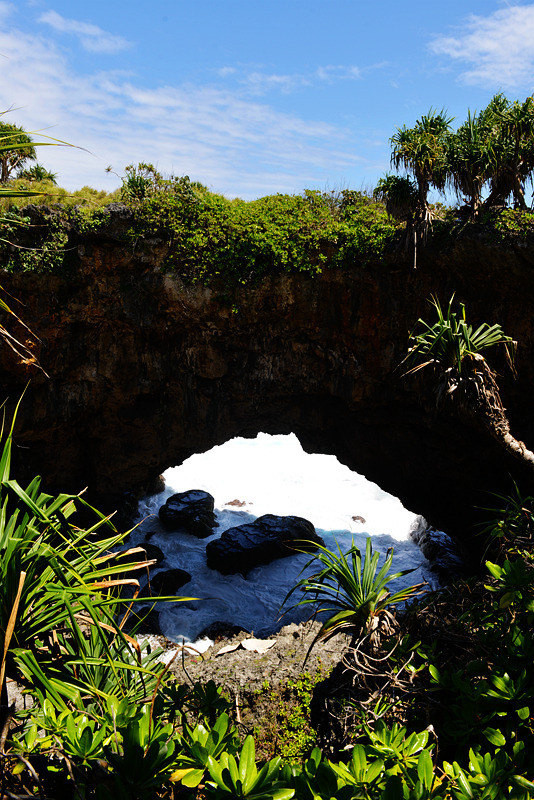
(145, 371)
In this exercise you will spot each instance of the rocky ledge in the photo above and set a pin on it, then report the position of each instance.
(243, 670)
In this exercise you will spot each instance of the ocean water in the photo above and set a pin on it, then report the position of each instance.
(271, 475)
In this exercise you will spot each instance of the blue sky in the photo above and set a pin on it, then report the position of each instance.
(251, 97)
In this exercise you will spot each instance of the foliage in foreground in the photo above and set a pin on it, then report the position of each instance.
(125, 729)
(351, 590)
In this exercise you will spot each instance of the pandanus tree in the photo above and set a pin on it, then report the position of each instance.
(470, 160)
(512, 131)
(422, 152)
(20, 150)
(37, 173)
(399, 195)
(455, 353)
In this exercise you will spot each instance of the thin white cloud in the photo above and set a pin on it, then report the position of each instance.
(224, 72)
(5, 10)
(217, 135)
(332, 73)
(497, 50)
(257, 82)
(92, 38)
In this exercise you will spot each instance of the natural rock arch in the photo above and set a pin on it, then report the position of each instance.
(146, 371)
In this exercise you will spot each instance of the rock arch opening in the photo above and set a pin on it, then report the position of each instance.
(251, 477)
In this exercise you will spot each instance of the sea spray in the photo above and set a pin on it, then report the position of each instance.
(272, 474)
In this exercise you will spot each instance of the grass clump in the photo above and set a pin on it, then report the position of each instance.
(50, 195)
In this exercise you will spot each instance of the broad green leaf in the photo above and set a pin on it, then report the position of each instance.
(494, 736)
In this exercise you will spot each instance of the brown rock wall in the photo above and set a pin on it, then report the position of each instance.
(145, 371)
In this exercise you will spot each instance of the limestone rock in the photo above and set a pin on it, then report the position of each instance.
(220, 630)
(192, 510)
(244, 547)
(134, 354)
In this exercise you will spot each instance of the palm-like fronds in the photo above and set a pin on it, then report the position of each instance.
(471, 159)
(13, 145)
(57, 582)
(421, 150)
(511, 127)
(350, 588)
(453, 350)
(450, 341)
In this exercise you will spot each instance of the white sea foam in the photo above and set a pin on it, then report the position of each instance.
(272, 474)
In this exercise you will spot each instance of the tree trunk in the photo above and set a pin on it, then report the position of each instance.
(481, 401)
(499, 427)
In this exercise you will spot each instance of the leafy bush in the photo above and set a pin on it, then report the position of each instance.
(208, 237)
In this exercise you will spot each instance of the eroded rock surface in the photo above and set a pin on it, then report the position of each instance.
(192, 511)
(244, 547)
(242, 668)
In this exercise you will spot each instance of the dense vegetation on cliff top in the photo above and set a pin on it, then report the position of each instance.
(486, 162)
(204, 237)
(207, 237)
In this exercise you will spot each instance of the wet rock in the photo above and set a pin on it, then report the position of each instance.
(244, 547)
(440, 550)
(192, 510)
(219, 631)
(153, 552)
(155, 486)
(168, 582)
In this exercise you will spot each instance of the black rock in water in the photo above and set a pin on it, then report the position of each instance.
(192, 510)
(144, 621)
(153, 552)
(441, 551)
(269, 537)
(218, 631)
(168, 582)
